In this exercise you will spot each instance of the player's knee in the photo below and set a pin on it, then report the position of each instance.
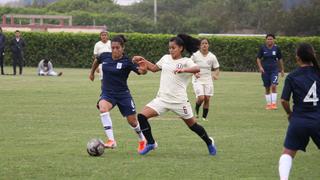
(142, 117)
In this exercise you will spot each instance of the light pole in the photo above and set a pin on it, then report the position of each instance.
(155, 11)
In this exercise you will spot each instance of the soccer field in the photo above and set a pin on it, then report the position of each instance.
(45, 123)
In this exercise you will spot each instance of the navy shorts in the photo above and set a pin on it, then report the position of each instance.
(269, 78)
(300, 131)
(124, 102)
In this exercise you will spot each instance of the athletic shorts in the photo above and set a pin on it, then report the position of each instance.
(124, 102)
(183, 110)
(269, 78)
(203, 89)
(299, 132)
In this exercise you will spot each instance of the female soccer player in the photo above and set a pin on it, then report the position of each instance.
(267, 59)
(116, 67)
(304, 120)
(104, 45)
(202, 81)
(176, 71)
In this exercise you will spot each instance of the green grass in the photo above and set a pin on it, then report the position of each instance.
(45, 123)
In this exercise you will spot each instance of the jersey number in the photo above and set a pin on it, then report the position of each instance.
(312, 92)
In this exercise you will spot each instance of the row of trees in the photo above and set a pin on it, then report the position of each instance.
(189, 16)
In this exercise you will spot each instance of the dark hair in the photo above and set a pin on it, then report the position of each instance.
(17, 31)
(270, 35)
(187, 42)
(201, 39)
(307, 55)
(46, 60)
(120, 39)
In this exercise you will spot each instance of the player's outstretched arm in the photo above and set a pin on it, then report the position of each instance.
(94, 66)
(150, 66)
(193, 69)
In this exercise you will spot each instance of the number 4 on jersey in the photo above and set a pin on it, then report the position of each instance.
(312, 95)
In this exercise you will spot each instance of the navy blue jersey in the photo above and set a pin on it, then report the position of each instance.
(269, 57)
(115, 73)
(304, 85)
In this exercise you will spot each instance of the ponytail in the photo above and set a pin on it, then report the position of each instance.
(307, 55)
(189, 43)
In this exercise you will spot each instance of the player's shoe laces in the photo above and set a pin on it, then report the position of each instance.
(274, 106)
(142, 145)
(110, 144)
(268, 107)
(212, 149)
(148, 147)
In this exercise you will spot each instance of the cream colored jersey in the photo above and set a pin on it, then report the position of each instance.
(206, 64)
(173, 87)
(101, 47)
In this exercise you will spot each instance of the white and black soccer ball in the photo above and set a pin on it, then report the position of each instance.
(95, 147)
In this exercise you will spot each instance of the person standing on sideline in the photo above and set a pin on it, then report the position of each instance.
(17, 48)
(2, 45)
(45, 68)
(176, 72)
(104, 45)
(303, 85)
(116, 67)
(268, 59)
(203, 81)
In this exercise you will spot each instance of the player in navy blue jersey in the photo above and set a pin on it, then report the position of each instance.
(303, 85)
(268, 59)
(116, 67)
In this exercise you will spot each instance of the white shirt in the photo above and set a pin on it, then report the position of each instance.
(101, 47)
(173, 87)
(206, 63)
(42, 68)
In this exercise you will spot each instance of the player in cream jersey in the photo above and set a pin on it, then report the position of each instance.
(176, 72)
(104, 45)
(203, 81)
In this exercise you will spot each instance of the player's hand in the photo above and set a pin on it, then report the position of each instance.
(137, 59)
(282, 73)
(143, 65)
(215, 77)
(261, 70)
(179, 70)
(91, 77)
(197, 75)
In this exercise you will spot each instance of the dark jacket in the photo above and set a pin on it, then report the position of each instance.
(2, 42)
(17, 47)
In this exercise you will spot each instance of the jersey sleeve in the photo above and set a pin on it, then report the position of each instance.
(215, 63)
(95, 49)
(160, 62)
(260, 53)
(279, 54)
(287, 89)
(133, 67)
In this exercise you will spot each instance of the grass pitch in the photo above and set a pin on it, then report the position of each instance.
(45, 123)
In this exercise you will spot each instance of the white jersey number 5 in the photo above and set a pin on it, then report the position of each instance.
(312, 95)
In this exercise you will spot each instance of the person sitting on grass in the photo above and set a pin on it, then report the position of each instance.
(45, 68)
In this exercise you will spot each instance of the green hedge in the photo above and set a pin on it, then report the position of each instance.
(75, 50)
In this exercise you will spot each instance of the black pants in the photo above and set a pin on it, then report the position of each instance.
(1, 61)
(17, 60)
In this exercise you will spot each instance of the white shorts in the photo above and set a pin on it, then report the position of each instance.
(183, 110)
(203, 89)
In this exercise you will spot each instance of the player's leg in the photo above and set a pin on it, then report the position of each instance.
(104, 108)
(285, 163)
(274, 83)
(208, 92)
(267, 83)
(199, 91)
(127, 108)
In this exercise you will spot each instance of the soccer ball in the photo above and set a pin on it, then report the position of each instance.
(95, 147)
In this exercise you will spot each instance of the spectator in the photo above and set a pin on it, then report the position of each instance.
(17, 47)
(2, 43)
(45, 68)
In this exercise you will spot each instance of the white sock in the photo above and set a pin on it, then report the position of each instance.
(107, 124)
(139, 132)
(268, 98)
(274, 98)
(285, 163)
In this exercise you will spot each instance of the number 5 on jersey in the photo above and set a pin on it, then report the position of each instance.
(312, 95)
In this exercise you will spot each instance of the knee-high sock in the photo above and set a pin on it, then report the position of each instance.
(107, 124)
(137, 129)
(197, 108)
(145, 128)
(285, 163)
(268, 98)
(198, 129)
(274, 98)
(205, 112)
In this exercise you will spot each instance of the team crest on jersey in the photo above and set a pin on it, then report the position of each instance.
(179, 66)
(119, 65)
(209, 63)
(274, 53)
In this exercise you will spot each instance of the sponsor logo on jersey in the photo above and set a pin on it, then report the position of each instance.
(179, 66)
(119, 65)
(274, 53)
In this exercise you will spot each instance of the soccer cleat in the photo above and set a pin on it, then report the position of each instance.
(147, 148)
(204, 119)
(142, 145)
(211, 147)
(268, 107)
(110, 144)
(274, 106)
